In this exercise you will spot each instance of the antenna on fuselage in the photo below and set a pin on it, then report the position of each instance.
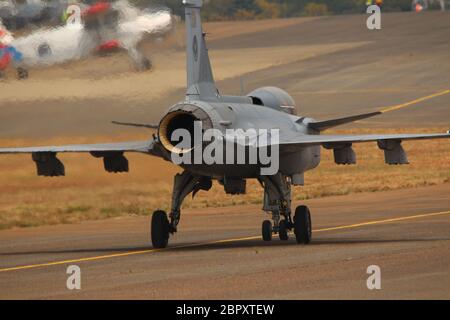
(200, 79)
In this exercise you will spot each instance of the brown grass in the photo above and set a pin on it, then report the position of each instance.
(87, 192)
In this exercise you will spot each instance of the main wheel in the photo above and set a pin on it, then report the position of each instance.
(302, 225)
(267, 230)
(283, 231)
(160, 230)
(22, 73)
(146, 64)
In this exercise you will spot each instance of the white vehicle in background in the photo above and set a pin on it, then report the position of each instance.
(101, 27)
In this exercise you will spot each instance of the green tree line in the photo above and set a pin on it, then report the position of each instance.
(265, 9)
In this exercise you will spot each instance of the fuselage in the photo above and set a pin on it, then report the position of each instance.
(233, 116)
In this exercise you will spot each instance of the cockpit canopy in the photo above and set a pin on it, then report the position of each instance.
(275, 98)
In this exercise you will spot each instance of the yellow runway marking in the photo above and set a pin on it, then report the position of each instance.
(407, 104)
(131, 253)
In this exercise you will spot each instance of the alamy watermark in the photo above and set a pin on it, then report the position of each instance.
(241, 147)
(374, 280)
(74, 280)
(374, 20)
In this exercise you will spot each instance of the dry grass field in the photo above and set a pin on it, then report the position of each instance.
(87, 192)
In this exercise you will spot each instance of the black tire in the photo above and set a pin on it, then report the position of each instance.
(160, 230)
(22, 73)
(302, 225)
(267, 230)
(146, 64)
(283, 231)
(143, 64)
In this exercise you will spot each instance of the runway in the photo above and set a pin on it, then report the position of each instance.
(218, 254)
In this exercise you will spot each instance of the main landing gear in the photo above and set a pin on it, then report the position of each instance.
(301, 227)
(162, 226)
(277, 201)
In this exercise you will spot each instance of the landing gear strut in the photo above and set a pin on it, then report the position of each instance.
(162, 225)
(277, 201)
(283, 230)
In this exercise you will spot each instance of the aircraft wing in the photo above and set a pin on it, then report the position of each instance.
(138, 146)
(309, 140)
(112, 153)
(342, 144)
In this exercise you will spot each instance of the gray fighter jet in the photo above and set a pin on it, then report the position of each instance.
(296, 142)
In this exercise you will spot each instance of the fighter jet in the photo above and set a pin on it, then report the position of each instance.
(295, 144)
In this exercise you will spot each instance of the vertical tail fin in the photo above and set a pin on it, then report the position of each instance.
(200, 79)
